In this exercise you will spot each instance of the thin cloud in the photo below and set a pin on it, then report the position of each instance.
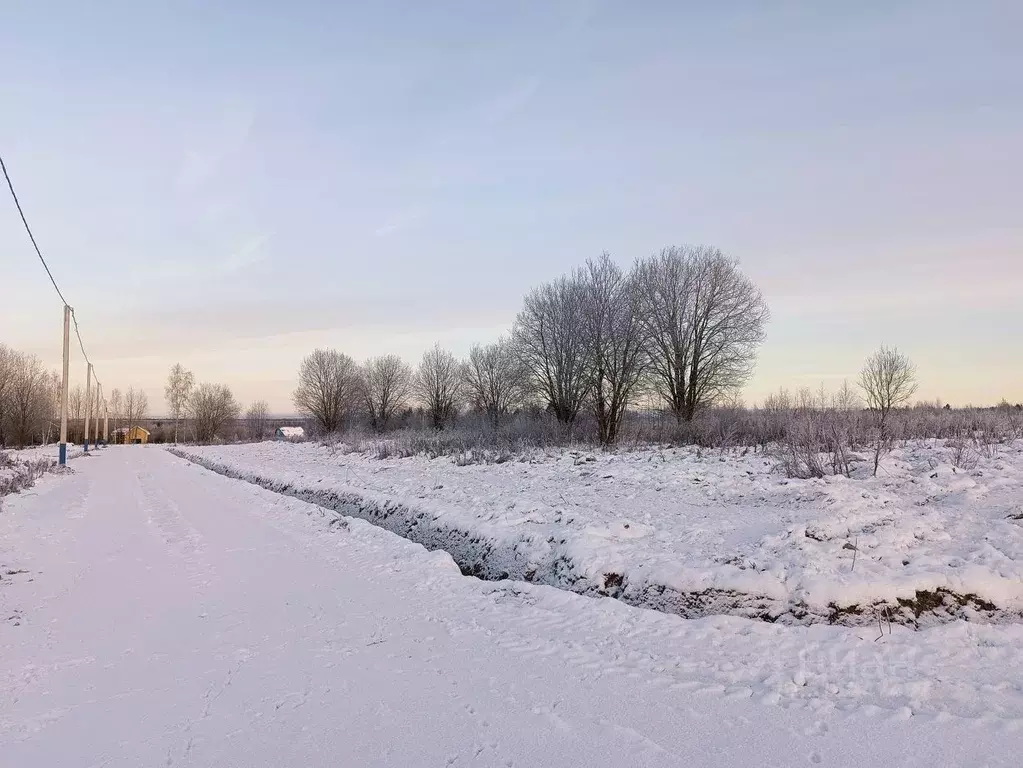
(970, 293)
(200, 164)
(506, 103)
(250, 252)
(399, 221)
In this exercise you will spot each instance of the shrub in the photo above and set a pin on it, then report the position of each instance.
(17, 474)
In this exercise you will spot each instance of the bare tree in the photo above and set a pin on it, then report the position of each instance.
(847, 423)
(30, 400)
(846, 399)
(549, 344)
(8, 359)
(52, 406)
(49, 408)
(211, 407)
(386, 386)
(135, 405)
(495, 380)
(256, 417)
(75, 410)
(329, 385)
(116, 407)
(179, 385)
(703, 321)
(613, 342)
(888, 381)
(438, 385)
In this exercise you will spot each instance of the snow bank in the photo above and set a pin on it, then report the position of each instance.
(19, 469)
(693, 533)
(50, 452)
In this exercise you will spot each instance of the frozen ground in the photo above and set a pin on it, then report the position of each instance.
(44, 452)
(154, 613)
(695, 533)
(39, 453)
(20, 468)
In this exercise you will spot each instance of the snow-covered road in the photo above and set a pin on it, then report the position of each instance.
(154, 613)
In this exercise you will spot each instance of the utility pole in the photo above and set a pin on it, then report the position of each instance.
(99, 404)
(88, 402)
(63, 387)
(106, 419)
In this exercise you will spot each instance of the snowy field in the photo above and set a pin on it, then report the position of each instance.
(42, 453)
(695, 532)
(51, 451)
(154, 613)
(20, 468)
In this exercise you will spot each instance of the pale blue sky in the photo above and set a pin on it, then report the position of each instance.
(233, 186)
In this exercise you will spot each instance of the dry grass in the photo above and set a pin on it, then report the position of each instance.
(16, 475)
(808, 439)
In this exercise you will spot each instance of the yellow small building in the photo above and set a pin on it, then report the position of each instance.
(132, 435)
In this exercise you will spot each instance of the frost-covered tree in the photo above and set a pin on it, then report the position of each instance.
(211, 407)
(179, 387)
(29, 399)
(438, 385)
(135, 406)
(612, 341)
(549, 343)
(386, 385)
(703, 320)
(495, 379)
(888, 381)
(116, 407)
(329, 385)
(7, 364)
(256, 418)
(75, 411)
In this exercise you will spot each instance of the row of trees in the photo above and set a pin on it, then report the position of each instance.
(208, 409)
(30, 403)
(680, 328)
(125, 408)
(683, 325)
(28, 398)
(815, 433)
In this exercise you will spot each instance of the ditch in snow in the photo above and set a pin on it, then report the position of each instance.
(544, 562)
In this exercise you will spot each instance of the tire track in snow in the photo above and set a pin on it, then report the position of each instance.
(163, 514)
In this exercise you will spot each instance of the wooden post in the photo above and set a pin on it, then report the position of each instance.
(88, 403)
(99, 403)
(63, 387)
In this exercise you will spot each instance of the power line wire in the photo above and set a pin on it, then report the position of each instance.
(81, 346)
(28, 229)
(39, 253)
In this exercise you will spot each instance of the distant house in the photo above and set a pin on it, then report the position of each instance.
(289, 433)
(131, 435)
